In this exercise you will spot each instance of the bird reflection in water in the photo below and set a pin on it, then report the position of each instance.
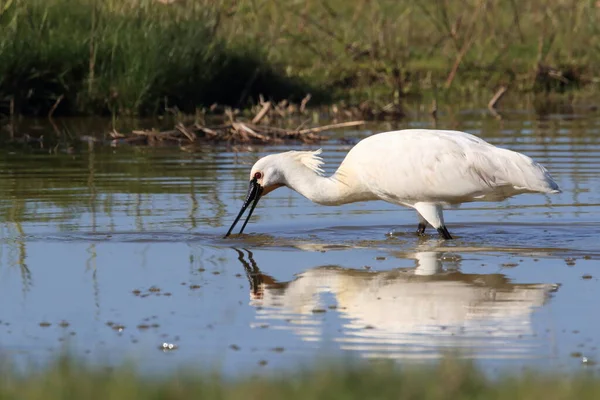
(405, 312)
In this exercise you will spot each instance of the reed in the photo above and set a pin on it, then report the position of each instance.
(130, 57)
(413, 45)
(144, 56)
(447, 379)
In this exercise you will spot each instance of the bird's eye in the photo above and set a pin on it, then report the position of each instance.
(257, 175)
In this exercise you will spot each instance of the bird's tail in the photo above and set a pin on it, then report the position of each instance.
(532, 176)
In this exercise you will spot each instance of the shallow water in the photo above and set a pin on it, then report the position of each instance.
(111, 252)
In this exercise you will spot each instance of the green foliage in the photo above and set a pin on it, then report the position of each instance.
(125, 57)
(413, 45)
(446, 380)
(140, 56)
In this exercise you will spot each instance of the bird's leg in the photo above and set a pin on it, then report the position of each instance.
(422, 225)
(444, 232)
(433, 213)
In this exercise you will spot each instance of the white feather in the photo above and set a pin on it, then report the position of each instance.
(310, 159)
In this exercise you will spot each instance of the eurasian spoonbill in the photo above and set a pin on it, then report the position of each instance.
(419, 168)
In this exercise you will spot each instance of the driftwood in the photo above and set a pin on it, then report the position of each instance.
(268, 122)
(55, 105)
(304, 102)
(495, 100)
(263, 111)
(234, 131)
(259, 130)
(273, 113)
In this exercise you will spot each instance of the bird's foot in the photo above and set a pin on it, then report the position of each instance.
(443, 231)
(421, 229)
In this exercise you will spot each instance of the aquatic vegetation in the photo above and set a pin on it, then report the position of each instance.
(448, 379)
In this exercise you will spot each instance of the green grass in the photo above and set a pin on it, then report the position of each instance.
(141, 56)
(364, 43)
(447, 380)
(125, 57)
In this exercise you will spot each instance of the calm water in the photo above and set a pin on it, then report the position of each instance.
(111, 252)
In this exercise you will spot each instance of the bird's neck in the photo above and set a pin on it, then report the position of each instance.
(330, 191)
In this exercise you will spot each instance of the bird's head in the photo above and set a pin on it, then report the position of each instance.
(269, 173)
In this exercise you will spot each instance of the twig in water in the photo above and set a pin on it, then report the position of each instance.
(495, 100)
(115, 135)
(262, 113)
(56, 103)
(240, 127)
(332, 126)
(186, 132)
(305, 101)
(232, 132)
(209, 132)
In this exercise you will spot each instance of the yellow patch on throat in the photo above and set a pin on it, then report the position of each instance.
(270, 188)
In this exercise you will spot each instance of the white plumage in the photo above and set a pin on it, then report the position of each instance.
(419, 168)
(424, 309)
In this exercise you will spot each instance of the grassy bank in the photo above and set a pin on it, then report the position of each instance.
(414, 45)
(142, 56)
(125, 57)
(447, 380)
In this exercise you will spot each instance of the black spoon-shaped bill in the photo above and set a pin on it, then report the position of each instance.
(256, 198)
(254, 191)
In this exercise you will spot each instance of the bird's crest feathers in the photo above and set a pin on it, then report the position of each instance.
(310, 159)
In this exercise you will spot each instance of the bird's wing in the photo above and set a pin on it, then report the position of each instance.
(446, 168)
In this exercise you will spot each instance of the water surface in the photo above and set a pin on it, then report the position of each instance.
(113, 252)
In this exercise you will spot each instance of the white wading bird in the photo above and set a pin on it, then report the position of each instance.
(419, 168)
